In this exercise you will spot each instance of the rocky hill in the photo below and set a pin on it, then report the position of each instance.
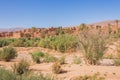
(42, 32)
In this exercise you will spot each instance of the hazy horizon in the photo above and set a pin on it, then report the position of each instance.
(46, 13)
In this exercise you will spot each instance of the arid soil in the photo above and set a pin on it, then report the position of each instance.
(70, 70)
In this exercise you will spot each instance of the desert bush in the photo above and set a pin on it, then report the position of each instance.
(56, 68)
(8, 53)
(93, 45)
(76, 60)
(93, 77)
(36, 56)
(117, 62)
(21, 68)
(49, 58)
(6, 74)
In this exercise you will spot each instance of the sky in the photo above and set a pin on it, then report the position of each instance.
(54, 13)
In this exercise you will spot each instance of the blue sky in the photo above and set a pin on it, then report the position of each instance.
(47, 13)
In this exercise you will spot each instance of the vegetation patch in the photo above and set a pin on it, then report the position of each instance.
(62, 43)
(49, 58)
(7, 53)
(9, 75)
(21, 68)
(37, 55)
(6, 74)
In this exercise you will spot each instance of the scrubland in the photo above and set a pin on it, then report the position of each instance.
(92, 54)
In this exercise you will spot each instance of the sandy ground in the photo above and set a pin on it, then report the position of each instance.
(70, 70)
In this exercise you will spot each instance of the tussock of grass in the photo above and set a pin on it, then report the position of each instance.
(36, 56)
(7, 54)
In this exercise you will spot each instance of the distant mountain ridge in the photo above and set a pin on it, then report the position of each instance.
(106, 23)
(10, 29)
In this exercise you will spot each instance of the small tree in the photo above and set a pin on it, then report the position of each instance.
(93, 45)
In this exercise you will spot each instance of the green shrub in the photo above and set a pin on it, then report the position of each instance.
(36, 56)
(6, 74)
(117, 62)
(48, 58)
(56, 68)
(20, 68)
(8, 53)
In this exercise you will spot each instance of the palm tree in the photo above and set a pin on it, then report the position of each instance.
(117, 23)
(109, 28)
(83, 26)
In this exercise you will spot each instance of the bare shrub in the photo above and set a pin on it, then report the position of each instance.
(56, 68)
